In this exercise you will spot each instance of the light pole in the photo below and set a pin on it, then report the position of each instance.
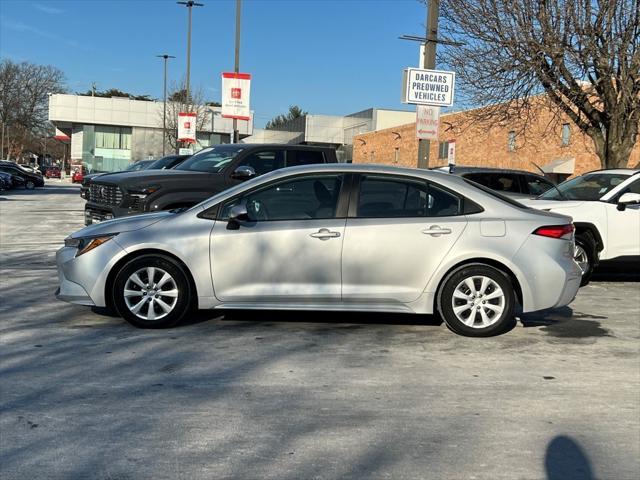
(189, 4)
(164, 105)
(236, 134)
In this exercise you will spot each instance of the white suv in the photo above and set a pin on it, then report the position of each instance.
(605, 206)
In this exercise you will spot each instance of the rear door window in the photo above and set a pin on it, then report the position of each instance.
(304, 157)
(499, 182)
(381, 197)
(264, 162)
(535, 185)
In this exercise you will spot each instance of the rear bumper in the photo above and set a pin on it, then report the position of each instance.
(550, 277)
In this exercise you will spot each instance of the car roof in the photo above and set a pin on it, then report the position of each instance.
(275, 145)
(612, 171)
(463, 169)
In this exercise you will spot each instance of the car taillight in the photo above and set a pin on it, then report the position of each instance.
(556, 231)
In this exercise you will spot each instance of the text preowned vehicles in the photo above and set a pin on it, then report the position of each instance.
(206, 173)
(605, 207)
(330, 237)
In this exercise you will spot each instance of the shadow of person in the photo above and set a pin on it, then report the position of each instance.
(565, 460)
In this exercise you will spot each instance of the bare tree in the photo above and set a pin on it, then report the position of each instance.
(176, 103)
(24, 101)
(582, 57)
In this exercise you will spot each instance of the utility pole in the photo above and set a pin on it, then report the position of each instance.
(164, 105)
(189, 4)
(236, 134)
(2, 149)
(433, 11)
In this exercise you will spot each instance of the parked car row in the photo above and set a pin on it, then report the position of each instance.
(20, 176)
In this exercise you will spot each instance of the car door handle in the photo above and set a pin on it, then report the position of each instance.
(325, 234)
(436, 231)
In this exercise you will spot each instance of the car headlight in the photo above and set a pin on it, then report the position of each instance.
(143, 191)
(86, 244)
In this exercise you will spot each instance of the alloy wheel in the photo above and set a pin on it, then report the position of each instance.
(478, 301)
(581, 258)
(150, 293)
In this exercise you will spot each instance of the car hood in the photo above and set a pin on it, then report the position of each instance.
(551, 204)
(123, 224)
(141, 176)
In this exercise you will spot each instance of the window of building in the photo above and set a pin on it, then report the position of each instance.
(566, 134)
(115, 138)
(511, 142)
(443, 150)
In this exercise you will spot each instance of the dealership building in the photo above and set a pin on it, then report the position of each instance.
(107, 134)
(548, 142)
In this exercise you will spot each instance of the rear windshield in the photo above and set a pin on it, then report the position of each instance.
(497, 195)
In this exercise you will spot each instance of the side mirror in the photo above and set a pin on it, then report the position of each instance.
(243, 172)
(628, 199)
(237, 214)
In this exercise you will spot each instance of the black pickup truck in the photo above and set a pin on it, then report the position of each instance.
(206, 173)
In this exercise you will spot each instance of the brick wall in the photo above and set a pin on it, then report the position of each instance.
(539, 143)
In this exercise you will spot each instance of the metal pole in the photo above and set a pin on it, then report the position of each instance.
(164, 106)
(236, 134)
(189, 6)
(433, 12)
(2, 150)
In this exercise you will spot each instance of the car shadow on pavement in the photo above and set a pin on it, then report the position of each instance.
(565, 459)
(565, 322)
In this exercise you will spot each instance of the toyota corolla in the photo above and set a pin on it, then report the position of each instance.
(330, 237)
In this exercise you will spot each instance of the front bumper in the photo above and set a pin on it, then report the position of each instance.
(83, 279)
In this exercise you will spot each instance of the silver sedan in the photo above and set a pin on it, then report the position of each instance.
(330, 237)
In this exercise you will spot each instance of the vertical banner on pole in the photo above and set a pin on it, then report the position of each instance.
(451, 155)
(187, 127)
(236, 90)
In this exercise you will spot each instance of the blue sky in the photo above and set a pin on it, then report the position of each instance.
(329, 57)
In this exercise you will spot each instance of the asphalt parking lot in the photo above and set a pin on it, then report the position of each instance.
(295, 395)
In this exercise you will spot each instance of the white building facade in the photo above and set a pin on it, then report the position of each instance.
(108, 134)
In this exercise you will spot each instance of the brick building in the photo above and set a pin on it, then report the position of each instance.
(557, 146)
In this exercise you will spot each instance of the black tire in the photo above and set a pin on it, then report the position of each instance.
(497, 322)
(178, 276)
(585, 243)
(29, 185)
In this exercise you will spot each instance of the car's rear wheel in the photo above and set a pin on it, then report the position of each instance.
(477, 301)
(152, 291)
(584, 254)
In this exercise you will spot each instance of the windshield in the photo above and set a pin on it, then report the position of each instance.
(589, 187)
(211, 160)
(162, 162)
(140, 165)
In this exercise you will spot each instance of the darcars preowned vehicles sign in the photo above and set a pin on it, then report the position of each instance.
(236, 89)
(187, 127)
(429, 87)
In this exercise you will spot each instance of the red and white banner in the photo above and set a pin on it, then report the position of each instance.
(451, 154)
(236, 90)
(60, 135)
(187, 127)
(427, 122)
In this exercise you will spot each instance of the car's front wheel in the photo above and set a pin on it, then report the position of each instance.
(477, 301)
(152, 291)
(29, 185)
